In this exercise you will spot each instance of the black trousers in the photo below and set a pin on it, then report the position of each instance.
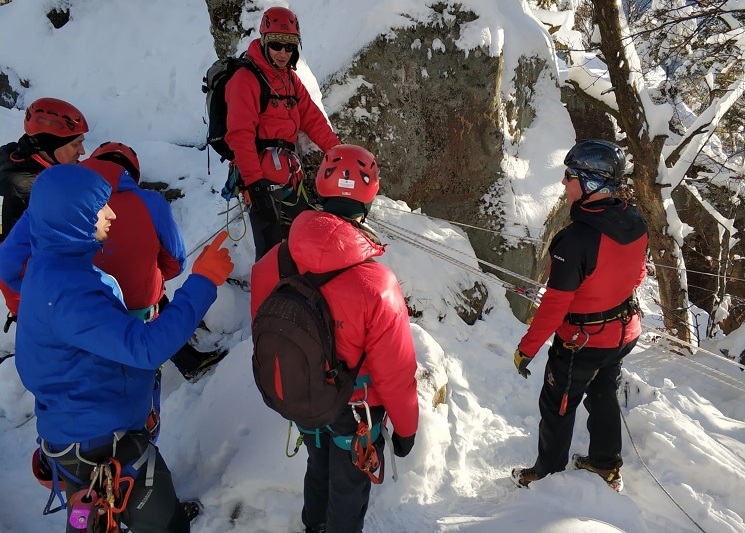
(335, 491)
(267, 233)
(594, 372)
(154, 509)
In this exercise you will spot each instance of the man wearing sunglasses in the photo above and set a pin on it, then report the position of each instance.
(597, 262)
(264, 142)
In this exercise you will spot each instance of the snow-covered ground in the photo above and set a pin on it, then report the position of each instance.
(134, 68)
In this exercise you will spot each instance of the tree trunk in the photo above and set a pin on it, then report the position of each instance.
(226, 28)
(646, 155)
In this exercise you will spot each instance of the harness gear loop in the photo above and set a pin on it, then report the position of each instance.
(298, 442)
(364, 453)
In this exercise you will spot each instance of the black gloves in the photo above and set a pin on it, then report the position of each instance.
(402, 445)
(521, 363)
(8, 321)
(263, 203)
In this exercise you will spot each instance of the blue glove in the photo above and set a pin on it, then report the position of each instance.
(521, 363)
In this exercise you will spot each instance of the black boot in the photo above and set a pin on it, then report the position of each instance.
(193, 364)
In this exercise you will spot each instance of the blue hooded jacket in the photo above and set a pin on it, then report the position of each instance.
(89, 364)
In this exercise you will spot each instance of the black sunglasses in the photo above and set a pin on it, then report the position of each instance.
(570, 175)
(288, 47)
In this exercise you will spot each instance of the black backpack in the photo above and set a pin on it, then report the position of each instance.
(5, 151)
(294, 359)
(215, 80)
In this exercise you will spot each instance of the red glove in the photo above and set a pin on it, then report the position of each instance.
(214, 262)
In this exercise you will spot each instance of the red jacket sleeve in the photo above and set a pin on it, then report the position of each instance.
(242, 95)
(12, 298)
(312, 120)
(548, 318)
(391, 358)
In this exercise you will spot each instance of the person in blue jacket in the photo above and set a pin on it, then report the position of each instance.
(90, 364)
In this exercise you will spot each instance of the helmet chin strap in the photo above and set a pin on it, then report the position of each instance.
(586, 193)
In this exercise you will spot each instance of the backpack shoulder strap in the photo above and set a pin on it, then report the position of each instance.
(261, 78)
(287, 265)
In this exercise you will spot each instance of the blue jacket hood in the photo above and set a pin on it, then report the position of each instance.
(64, 206)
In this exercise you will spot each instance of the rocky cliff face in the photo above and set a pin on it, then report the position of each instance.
(435, 117)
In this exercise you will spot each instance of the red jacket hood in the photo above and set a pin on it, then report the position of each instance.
(321, 242)
(257, 56)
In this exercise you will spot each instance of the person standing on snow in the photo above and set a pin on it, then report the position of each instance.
(54, 134)
(589, 306)
(368, 302)
(88, 362)
(264, 143)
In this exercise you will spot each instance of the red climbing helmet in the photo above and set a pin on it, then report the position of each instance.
(280, 20)
(348, 171)
(54, 117)
(121, 154)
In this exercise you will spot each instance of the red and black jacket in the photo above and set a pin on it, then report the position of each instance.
(596, 263)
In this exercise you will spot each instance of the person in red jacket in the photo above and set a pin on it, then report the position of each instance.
(54, 131)
(370, 316)
(597, 262)
(264, 143)
(145, 249)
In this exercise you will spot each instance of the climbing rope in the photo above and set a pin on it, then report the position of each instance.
(694, 349)
(531, 294)
(209, 239)
(644, 464)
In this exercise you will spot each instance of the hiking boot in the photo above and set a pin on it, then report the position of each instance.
(193, 364)
(611, 477)
(522, 477)
(191, 509)
(209, 359)
(316, 529)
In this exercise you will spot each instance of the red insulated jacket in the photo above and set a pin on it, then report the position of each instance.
(366, 304)
(278, 121)
(144, 247)
(596, 263)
